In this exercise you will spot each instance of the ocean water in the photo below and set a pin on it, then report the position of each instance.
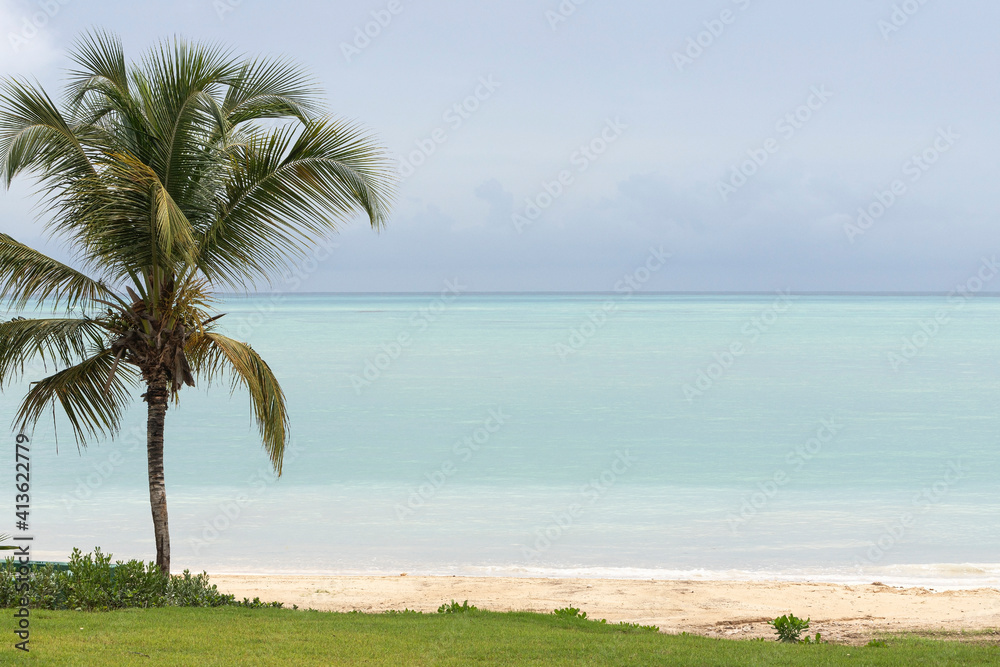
(836, 438)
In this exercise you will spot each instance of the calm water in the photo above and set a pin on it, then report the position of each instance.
(573, 435)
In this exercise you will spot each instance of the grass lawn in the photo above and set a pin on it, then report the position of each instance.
(233, 636)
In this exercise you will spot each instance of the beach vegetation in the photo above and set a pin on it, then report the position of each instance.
(789, 628)
(577, 615)
(92, 582)
(570, 612)
(455, 608)
(392, 612)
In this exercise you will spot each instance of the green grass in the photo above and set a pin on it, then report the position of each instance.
(233, 636)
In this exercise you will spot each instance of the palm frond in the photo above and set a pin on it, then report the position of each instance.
(26, 274)
(100, 57)
(154, 163)
(270, 88)
(214, 355)
(128, 220)
(100, 93)
(60, 342)
(34, 136)
(183, 78)
(193, 302)
(93, 405)
(286, 191)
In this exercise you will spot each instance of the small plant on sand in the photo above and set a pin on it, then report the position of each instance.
(257, 604)
(625, 625)
(455, 608)
(573, 612)
(570, 612)
(789, 627)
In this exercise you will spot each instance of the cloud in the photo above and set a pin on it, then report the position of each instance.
(27, 31)
(501, 202)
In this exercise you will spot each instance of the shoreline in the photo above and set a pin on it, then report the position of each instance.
(730, 609)
(932, 581)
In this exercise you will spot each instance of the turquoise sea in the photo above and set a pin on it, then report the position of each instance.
(839, 438)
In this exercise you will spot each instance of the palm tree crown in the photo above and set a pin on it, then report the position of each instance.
(190, 171)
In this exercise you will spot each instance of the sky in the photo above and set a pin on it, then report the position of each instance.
(553, 146)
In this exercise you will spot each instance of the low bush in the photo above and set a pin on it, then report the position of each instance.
(789, 628)
(455, 608)
(570, 612)
(575, 613)
(92, 583)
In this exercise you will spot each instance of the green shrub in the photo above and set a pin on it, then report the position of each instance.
(187, 590)
(570, 612)
(92, 583)
(257, 604)
(789, 628)
(635, 626)
(455, 608)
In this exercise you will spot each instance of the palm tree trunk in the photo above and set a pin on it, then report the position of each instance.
(156, 399)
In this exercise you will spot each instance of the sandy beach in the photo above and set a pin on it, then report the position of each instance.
(734, 609)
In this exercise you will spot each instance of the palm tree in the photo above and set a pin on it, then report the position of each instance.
(190, 171)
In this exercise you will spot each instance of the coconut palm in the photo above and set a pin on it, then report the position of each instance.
(190, 171)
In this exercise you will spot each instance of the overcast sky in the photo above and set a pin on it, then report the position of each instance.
(742, 136)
